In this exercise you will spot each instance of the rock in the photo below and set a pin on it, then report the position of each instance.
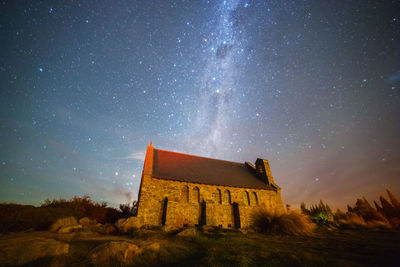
(67, 221)
(170, 228)
(120, 222)
(127, 225)
(108, 229)
(86, 221)
(90, 225)
(247, 231)
(22, 250)
(122, 252)
(153, 246)
(188, 232)
(210, 229)
(70, 229)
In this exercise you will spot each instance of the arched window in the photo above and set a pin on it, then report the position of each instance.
(246, 198)
(218, 197)
(196, 195)
(185, 194)
(227, 197)
(254, 198)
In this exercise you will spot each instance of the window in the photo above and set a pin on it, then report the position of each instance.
(246, 198)
(218, 197)
(227, 197)
(196, 195)
(254, 198)
(185, 194)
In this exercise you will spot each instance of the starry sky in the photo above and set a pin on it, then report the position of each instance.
(312, 86)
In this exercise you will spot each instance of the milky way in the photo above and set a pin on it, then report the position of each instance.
(312, 86)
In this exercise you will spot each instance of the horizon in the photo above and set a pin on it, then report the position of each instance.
(311, 87)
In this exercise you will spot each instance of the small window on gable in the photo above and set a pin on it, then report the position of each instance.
(185, 194)
(246, 198)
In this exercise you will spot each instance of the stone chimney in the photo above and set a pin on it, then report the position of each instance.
(264, 171)
(148, 161)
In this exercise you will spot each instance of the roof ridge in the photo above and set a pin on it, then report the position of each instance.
(180, 153)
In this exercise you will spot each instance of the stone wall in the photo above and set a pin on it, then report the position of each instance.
(184, 203)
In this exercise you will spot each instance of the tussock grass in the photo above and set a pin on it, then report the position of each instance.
(284, 223)
(355, 221)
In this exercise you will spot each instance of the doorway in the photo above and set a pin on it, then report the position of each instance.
(203, 218)
(236, 215)
(164, 211)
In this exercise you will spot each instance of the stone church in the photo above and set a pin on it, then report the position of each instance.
(184, 190)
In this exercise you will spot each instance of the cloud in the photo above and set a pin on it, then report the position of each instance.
(137, 155)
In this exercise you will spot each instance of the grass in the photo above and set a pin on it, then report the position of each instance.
(286, 223)
(233, 248)
(236, 249)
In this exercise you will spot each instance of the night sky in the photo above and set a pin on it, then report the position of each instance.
(312, 86)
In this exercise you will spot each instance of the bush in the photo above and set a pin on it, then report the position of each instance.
(363, 215)
(17, 217)
(363, 209)
(128, 210)
(85, 207)
(321, 214)
(355, 221)
(286, 223)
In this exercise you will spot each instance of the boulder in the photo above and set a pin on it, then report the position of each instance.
(108, 229)
(67, 221)
(119, 223)
(90, 225)
(170, 228)
(247, 230)
(127, 225)
(116, 251)
(210, 229)
(22, 250)
(70, 229)
(86, 221)
(153, 246)
(188, 232)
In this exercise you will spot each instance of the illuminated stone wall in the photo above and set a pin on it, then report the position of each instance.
(184, 202)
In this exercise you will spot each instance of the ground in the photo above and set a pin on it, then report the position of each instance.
(222, 248)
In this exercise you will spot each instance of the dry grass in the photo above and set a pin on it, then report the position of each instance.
(284, 223)
(232, 248)
(355, 221)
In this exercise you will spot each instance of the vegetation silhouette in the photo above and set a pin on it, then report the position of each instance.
(361, 215)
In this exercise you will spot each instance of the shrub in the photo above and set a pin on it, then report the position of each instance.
(127, 210)
(320, 214)
(24, 217)
(84, 207)
(363, 209)
(355, 221)
(17, 217)
(363, 215)
(286, 223)
(386, 215)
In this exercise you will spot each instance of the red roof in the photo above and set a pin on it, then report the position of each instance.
(187, 168)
